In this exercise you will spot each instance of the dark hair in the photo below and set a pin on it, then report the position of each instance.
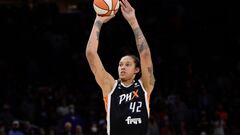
(137, 65)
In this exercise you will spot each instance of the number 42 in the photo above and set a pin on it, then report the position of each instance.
(135, 106)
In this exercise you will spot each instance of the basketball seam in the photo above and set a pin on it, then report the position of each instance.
(109, 11)
(106, 4)
(100, 7)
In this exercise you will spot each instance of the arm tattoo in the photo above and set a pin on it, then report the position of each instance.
(98, 33)
(98, 24)
(152, 79)
(89, 44)
(140, 40)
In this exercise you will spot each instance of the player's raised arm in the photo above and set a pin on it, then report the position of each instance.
(103, 78)
(145, 55)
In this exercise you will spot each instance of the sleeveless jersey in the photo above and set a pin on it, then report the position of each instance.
(127, 109)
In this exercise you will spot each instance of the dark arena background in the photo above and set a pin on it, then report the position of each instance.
(47, 88)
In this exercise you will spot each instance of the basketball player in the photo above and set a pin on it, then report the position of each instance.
(127, 98)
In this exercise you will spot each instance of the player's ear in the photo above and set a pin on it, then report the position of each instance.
(137, 70)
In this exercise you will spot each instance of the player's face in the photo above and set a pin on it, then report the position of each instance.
(127, 69)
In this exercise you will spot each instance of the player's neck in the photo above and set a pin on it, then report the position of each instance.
(127, 82)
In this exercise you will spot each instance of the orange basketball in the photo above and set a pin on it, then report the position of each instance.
(106, 7)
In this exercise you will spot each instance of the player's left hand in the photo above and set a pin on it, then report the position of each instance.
(128, 11)
(104, 19)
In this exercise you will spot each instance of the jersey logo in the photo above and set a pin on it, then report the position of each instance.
(135, 121)
(128, 96)
(136, 85)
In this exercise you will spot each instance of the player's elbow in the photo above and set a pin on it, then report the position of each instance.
(90, 52)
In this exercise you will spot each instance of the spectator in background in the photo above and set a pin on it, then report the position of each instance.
(204, 124)
(42, 131)
(67, 129)
(2, 129)
(94, 129)
(52, 131)
(205, 99)
(180, 112)
(218, 125)
(63, 109)
(6, 116)
(79, 130)
(15, 129)
(28, 128)
(74, 118)
(222, 113)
